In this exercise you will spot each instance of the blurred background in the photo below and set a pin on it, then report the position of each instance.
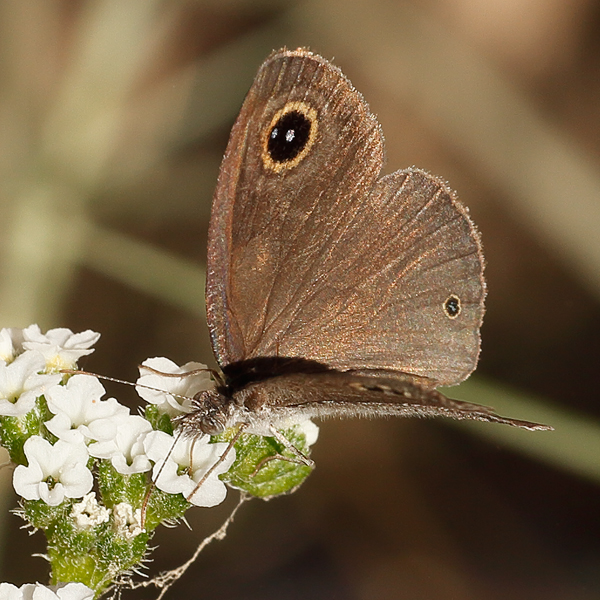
(113, 120)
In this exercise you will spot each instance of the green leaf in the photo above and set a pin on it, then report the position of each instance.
(259, 469)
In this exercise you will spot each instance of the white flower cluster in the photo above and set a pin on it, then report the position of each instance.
(37, 591)
(88, 426)
(61, 432)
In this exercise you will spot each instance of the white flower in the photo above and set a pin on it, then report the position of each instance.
(127, 522)
(310, 431)
(197, 454)
(54, 472)
(11, 343)
(8, 591)
(87, 514)
(20, 383)
(186, 386)
(124, 445)
(60, 347)
(80, 414)
(37, 591)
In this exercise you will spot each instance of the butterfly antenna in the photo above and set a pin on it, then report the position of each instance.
(206, 475)
(215, 374)
(105, 377)
(147, 387)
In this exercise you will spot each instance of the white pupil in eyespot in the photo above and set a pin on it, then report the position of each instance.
(290, 134)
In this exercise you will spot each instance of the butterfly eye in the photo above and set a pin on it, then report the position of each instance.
(289, 136)
(452, 306)
(211, 425)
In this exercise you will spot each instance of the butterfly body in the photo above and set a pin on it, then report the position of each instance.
(332, 290)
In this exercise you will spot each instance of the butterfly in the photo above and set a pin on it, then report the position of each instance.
(333, 291)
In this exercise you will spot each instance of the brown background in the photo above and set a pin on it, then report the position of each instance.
(113, 119)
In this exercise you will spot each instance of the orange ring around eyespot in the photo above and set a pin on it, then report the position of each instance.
(311, 114)
(459, 307)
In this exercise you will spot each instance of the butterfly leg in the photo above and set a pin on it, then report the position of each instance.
(206, 475)
(153, 484)
(300, 458)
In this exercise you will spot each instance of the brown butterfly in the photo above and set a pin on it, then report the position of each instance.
(333, 291)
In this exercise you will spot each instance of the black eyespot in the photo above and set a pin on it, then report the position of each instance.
(289, 136)
(452, 306)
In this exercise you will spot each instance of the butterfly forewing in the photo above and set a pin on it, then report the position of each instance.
(324, 261)
(267, 226)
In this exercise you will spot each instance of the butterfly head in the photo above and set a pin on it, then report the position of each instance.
(211, 414)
